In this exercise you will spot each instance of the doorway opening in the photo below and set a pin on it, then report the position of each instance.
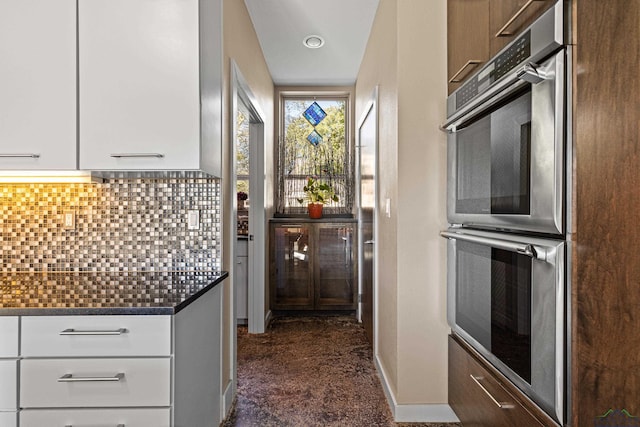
(248, 183)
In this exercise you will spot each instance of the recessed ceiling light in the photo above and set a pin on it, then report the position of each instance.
(313, 42)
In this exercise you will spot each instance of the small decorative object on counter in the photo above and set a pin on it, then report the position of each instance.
(316, 194)
(242, 196)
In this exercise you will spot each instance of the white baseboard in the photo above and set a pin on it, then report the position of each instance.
(418, 413)
(227, 398)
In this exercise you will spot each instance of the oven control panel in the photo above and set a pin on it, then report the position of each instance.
(517, 52)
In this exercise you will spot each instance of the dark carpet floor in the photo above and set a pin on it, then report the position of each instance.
(309, 371)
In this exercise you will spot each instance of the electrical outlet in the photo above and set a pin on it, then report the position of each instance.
(69, 220)
(193, 220)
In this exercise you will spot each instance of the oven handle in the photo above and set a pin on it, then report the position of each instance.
(521, 248)
(528, 73)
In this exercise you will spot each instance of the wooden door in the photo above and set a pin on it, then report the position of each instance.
(468, 39)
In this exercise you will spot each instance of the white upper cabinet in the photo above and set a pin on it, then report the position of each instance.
(150, 84)
(38, 85)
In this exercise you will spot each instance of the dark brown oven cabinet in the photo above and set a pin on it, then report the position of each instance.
(481, 398)
(313, 266)
(510, 17)
(478, 29)
(468, 39)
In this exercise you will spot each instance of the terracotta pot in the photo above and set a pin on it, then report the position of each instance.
(315, 210)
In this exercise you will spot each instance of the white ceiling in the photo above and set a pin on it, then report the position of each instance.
(282, 25)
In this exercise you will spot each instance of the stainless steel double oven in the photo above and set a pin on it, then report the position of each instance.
(507, 209)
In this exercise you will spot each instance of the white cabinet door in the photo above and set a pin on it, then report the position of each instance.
(97, 336)
(8, 419)
(95, 417)
(8, 385)
(9, 336)
(68, 383)
(242, 287)
(139, 84)
(38, 84)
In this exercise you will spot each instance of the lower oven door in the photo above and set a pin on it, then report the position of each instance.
(506, 299)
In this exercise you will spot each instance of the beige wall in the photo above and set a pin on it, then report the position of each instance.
(241, 44)
(406, 57)
(379, 67)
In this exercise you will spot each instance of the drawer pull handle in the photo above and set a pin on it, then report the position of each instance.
(136, 155)
(502, 32)
(474, 62)
(119, 425)
(29, 155)
(493, 399)
(71, 331)
(69, 378)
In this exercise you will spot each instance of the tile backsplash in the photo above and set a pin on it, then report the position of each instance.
(121, 224)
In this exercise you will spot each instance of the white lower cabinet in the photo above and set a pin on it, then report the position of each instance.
(96, 336)
(66, 383)
(9, 419)
(8, 385)
(95, 417)
(9, 336)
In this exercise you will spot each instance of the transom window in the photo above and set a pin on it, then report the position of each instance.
(314, 143)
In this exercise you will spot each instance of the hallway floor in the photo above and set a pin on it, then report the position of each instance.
(309, 371)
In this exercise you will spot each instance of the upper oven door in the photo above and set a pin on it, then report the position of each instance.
(506, 153)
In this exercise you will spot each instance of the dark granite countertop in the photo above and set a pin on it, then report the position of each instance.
(89, 293)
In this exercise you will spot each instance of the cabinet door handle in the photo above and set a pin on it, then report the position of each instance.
(70, 425)
(493, 399)
(69, 378)
(502, 32)
(85, 332)
(369, 242)
(21, 155)
(474, 62)
(136, 155)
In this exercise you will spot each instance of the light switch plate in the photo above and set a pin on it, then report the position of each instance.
(69, 220)
(193, 219)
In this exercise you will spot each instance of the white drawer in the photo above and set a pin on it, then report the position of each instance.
(94, 383)
(95, 417)
(8, 385)
(8, 336)
(100, 336)
(8, 419)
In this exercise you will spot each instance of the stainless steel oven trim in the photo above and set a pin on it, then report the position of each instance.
(548, 152)
(555, 255)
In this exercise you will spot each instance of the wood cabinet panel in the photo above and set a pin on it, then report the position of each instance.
(476, 392)
(605, 294)
(510, 17)
(468, 40)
